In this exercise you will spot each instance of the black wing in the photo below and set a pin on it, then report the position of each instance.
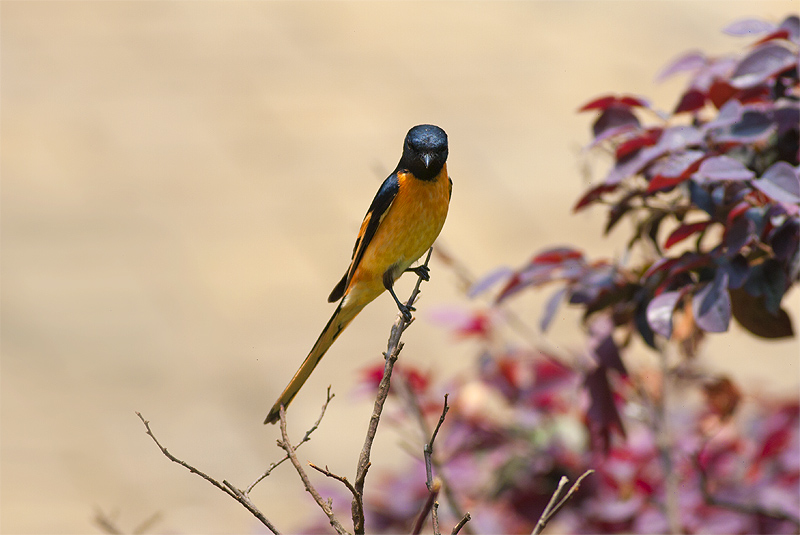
(377, 211)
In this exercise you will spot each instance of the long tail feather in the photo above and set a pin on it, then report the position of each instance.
(342, 317)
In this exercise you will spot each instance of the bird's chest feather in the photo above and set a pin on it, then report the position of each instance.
(412, 222)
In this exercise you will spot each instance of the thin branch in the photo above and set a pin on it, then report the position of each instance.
(557, 502)
(748, 509)
(225, 487)
(434, 488)
(341, 479)
(286, 445)
(393, 349)
(106, 523)
(466, 518)
(435, 518)
(305, 439)
(414, 406)
(434, 485)
(428, 449)
(147, 523)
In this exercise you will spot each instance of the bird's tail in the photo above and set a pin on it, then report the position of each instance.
(341, 318)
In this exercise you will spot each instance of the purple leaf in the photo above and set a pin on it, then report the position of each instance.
(615, 117)
(679, 137)
(737, 269)
(659, 312)
(607, 355)
(724, 168)
(712, 305)
(611, 132)
(633, 166)
(551, 307)
(748, 27)
(684, 231)
(674, 170)
(730, 113)
(602, 415)
(792, 25)
(780, 182)
(753, 127)
(786, 239)
(787, 118)
(767, 60)
(691, 61)
(489, 280)
(676, 164)
(673, 139)
(738, 234)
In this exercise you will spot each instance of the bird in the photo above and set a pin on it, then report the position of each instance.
(404, 219)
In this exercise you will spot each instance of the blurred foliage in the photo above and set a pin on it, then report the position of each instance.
(712, 192)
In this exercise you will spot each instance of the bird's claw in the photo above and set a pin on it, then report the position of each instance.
(406, 311)
(423, 272)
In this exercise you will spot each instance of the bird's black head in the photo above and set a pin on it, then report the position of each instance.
(424, 151)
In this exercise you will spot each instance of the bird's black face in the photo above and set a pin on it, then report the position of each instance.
(424, 151)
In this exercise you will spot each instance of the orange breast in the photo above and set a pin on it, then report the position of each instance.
(408, 230)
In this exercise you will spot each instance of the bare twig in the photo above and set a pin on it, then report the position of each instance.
(414, 407)
(434, 485)
(428, 449)
(748, 509)
(393, 349)
(464, 519)
(435, 518)
(305, 439)
(106, 523)
(434, 488)
(557, 501)
(286, 445)
(341, 479)
(225, 487)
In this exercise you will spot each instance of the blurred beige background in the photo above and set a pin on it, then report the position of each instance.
(181, 187)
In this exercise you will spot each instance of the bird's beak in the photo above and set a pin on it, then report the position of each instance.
(427, 158)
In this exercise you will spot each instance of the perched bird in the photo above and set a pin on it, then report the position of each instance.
(402, 222)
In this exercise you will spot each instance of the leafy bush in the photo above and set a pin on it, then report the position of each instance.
(713, 194)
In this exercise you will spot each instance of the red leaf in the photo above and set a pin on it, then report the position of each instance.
(600, 103)
(778, 34)
(479, 325)
(775, 443)
(754, 95)
(512, 286)
(720, 92)
(557, 256)
(648, 139)
(663, 264)
(661, 182)
(692, 100)
(606, 101)
(684, 231)
(670, 178)
(738, 210)
(633, 102)
(593, 194)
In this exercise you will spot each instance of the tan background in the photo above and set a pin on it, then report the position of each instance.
(181, 186)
